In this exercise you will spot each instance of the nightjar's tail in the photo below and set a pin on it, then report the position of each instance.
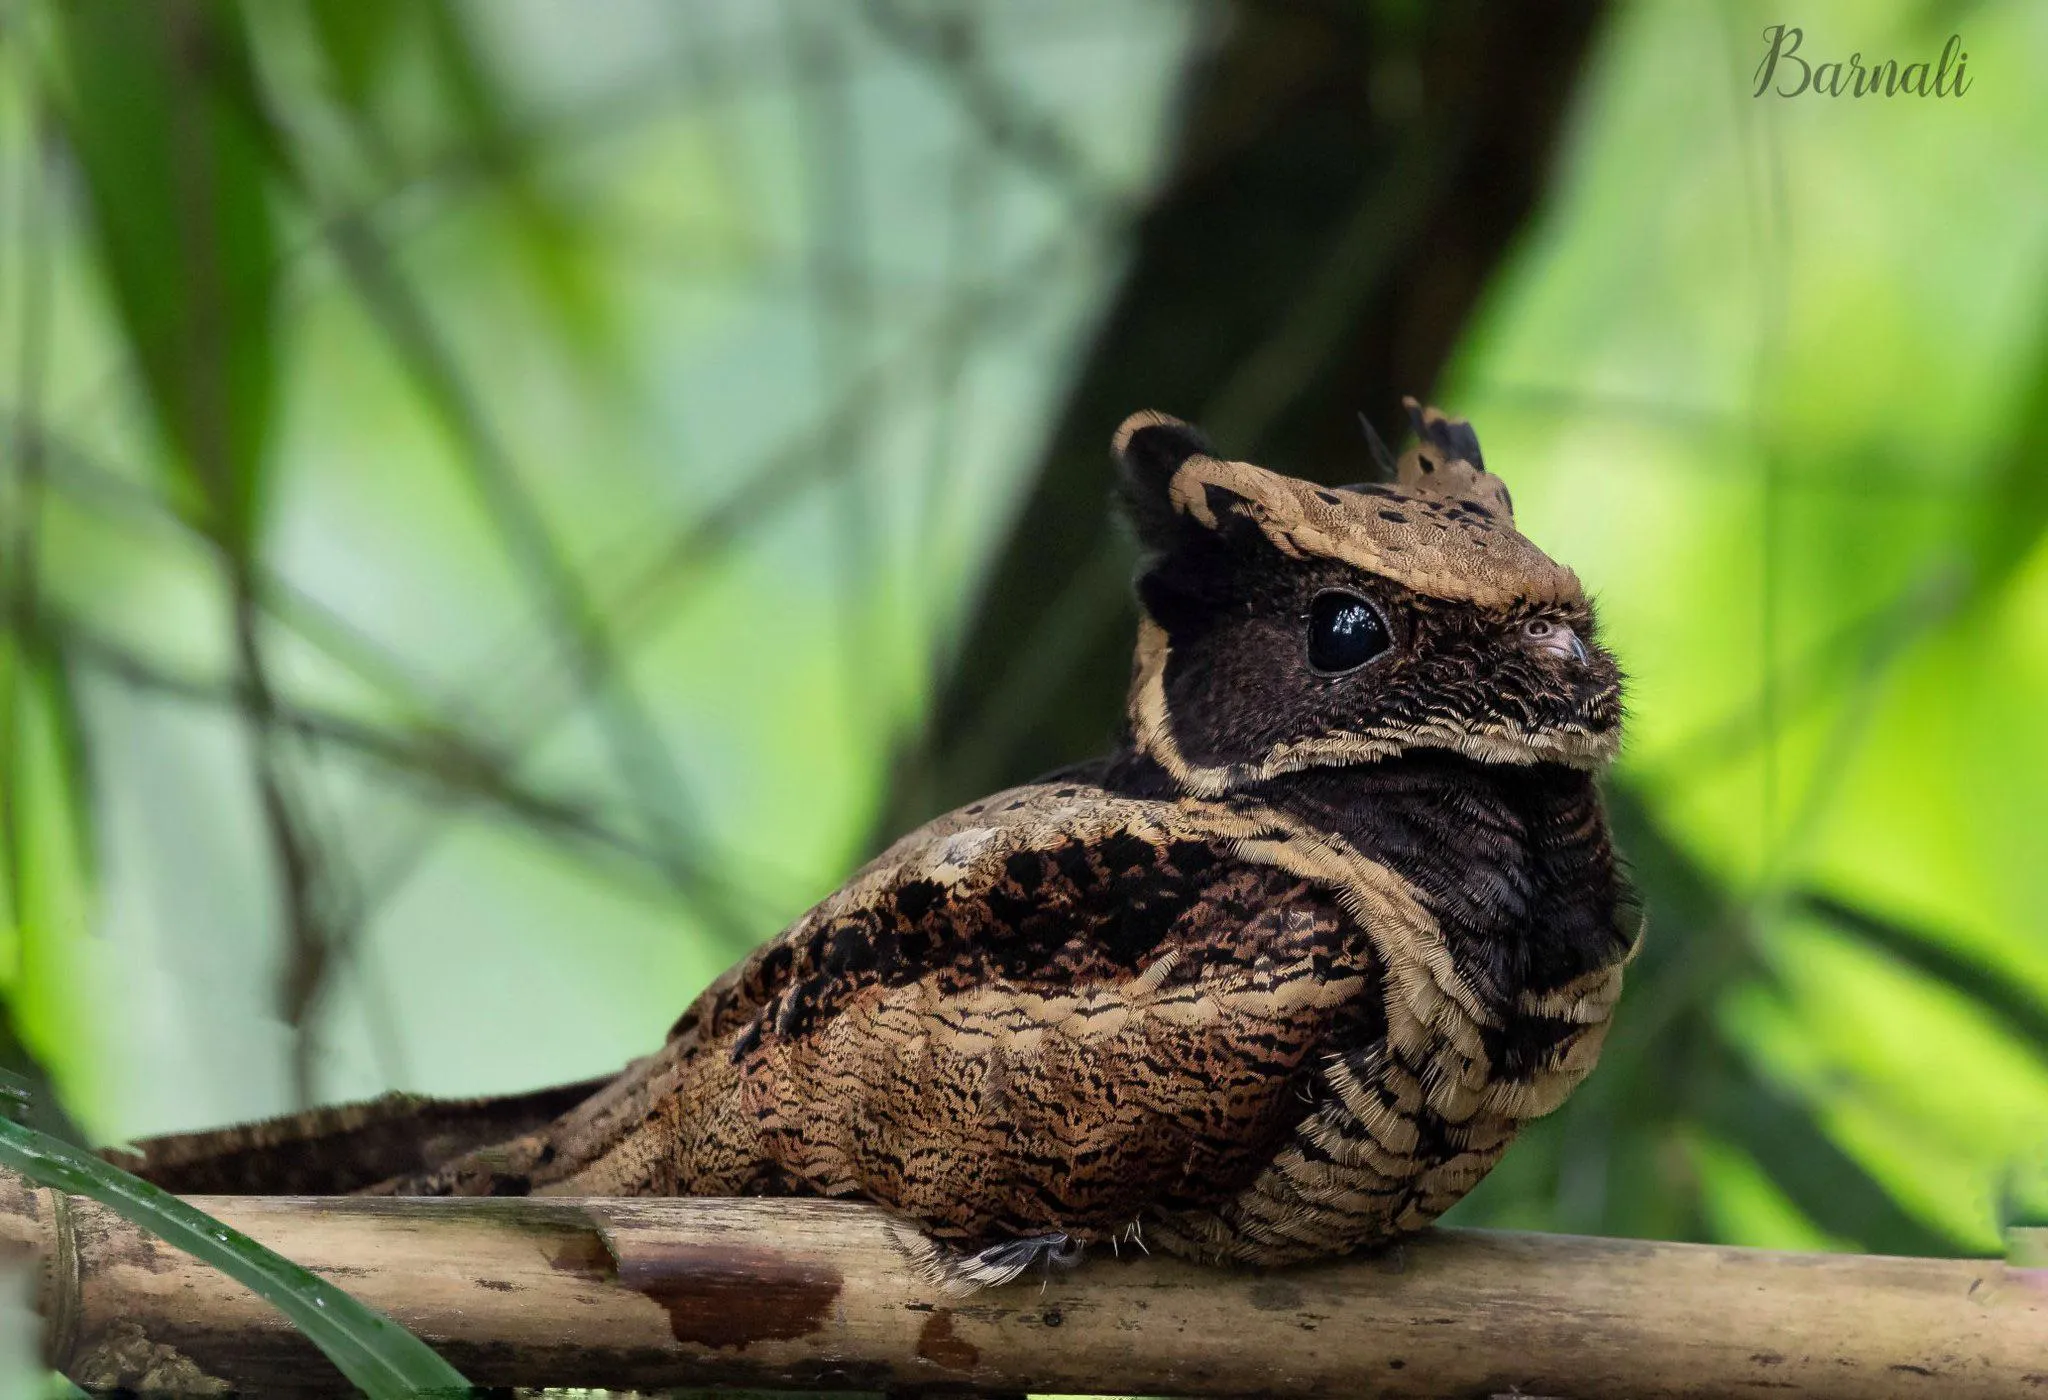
(334, 1151)
(622, 1135)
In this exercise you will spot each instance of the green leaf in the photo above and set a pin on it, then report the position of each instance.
(165, 124)
(1784, 1135)
(46, 876)
(2014, 515)
(377, 1355)
(2016, 1007)
(357, 38)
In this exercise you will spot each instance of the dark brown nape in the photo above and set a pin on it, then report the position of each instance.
(1307, 181)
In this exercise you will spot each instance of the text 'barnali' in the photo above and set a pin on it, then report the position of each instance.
(1785, 73)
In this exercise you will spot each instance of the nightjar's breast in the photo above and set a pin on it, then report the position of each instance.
(1500, 927)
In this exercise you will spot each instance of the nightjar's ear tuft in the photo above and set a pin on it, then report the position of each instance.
(1452, 437)
(1149, 448)
(1445, 463)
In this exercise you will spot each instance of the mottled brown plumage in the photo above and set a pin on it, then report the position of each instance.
(1279, 979)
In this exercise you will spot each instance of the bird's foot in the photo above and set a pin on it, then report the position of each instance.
(962, 1271)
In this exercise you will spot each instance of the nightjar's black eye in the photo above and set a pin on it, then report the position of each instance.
(1344, 632)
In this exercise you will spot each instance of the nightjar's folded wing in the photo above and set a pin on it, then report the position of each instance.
(1048, 1010)
(1051, 1012)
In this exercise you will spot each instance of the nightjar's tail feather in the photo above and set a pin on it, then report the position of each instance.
(337, 1150)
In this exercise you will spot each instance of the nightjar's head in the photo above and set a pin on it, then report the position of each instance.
(1288, 625)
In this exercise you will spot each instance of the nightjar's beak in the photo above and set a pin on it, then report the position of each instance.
(1565, 642)
(1558, 640)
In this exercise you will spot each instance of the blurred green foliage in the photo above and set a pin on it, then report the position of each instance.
(492, 493)
(1782, 407)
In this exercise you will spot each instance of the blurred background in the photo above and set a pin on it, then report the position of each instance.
(503, 505)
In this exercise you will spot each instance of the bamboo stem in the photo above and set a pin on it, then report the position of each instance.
(644, 1294)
